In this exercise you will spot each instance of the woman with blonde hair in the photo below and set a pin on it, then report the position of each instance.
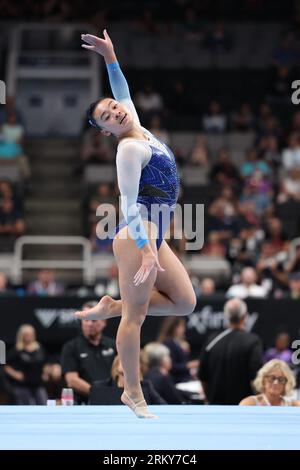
(24, 368)
(274, 383)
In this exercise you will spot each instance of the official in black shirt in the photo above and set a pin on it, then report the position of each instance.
(231, 360)
(87, 358)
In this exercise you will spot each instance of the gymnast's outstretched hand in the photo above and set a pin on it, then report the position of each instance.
(102, 46)
(149, 262)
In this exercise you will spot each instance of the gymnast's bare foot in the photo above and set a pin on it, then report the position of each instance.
(99, 312)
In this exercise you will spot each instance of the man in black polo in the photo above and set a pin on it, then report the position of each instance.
(231, 360)
(88, 357)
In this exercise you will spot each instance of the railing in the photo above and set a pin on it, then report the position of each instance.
(85, 263)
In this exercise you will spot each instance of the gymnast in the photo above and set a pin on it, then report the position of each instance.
(152, 280)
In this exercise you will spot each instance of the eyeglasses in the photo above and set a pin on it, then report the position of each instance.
(272, 378)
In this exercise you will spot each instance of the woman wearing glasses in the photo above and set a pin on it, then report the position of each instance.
(274, 383)
(150, 275)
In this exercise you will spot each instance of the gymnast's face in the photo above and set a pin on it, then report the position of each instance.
(113, 117)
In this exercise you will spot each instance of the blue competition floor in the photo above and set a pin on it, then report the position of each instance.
(178, 428)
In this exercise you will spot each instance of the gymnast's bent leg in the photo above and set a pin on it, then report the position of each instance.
(172, 294)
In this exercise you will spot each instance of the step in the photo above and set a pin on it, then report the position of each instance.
(57, 189)
(44, 206)
(50, 170)
(53, 224)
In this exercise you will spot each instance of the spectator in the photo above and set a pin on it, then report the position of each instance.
(224, 172)
(24, 367)
(149, 102)
(46, 285)
(109, 391)
(4, 289)
(270, 269)
(215, 122)
(243, 120)
(207, 286)
(248, 286)
(281, 350)
(53, 380)
(218, 38)
(160, 364)
(274, 383)
(293, 264)
(200, 155)
(230, 361)
(157, 130)
(88, 357)
(291, 154)
(294, 285)
(172, 335)
(11, 221)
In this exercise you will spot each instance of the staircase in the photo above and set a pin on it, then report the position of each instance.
(53, 206)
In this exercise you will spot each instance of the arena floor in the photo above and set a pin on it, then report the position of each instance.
(178, 428)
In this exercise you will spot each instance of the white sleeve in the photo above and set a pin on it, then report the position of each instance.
(130, 106)
(131, 157)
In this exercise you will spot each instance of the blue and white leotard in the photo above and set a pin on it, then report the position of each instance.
(147, 173)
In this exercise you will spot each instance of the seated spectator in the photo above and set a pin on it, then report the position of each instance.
(222, 217)
(269, 151)
(7, 192)
(200, 155)
(207, 286)
(157, 130)
(45, 285)
(159, 366)
(243, 119)
(172, 335)
(270, 268)
(293, 263)
(274, 233)
(103, 194)
(290, 186)
(11, 221)
(24, 367)
(95, 148)
(254, 164)
(295, 126)
(279, 88)
(281, 350)
(247, 287)
(4, 289)
(274, 383)
(88, 357)
(294, 285)
(291, 154)
(286, 54)
(218, 39)
(148, 102)
(214, 245)
(12, 130)
(193, 28)
(215, 122)
(10, 109)
(224, 172)
(109, 391)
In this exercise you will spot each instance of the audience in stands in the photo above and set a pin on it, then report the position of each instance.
(46, 284)
(215, 121)
(24, 367)
(248, 286)
(275, 382)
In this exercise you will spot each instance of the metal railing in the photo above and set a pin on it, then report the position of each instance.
(85, 263)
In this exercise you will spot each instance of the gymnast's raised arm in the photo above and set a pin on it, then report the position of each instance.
(118, 82)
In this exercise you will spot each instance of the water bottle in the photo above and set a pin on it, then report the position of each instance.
(67, 397)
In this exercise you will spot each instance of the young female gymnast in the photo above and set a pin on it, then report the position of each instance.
(150, 275)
